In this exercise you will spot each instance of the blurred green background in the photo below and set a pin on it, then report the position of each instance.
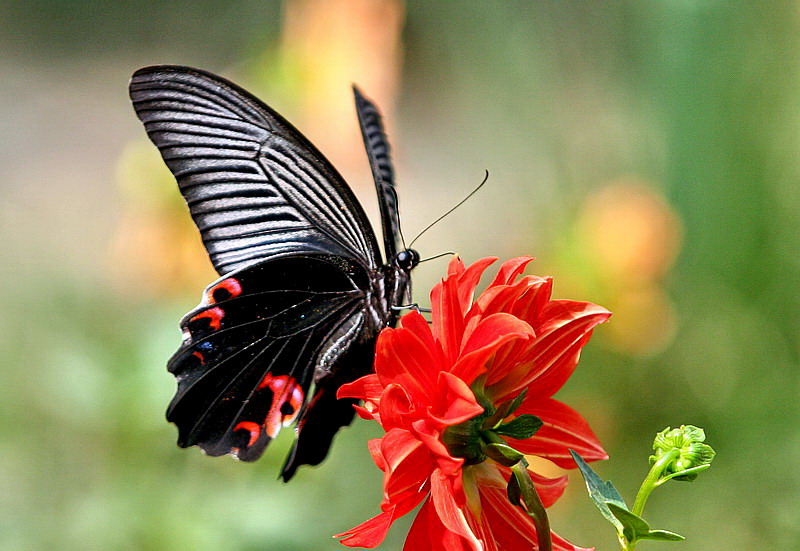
(648, 153)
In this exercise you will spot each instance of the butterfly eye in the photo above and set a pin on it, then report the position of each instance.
(407, 259)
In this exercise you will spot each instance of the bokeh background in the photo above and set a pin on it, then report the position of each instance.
(648, 153)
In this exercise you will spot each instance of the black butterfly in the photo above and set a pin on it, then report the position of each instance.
(304, 291)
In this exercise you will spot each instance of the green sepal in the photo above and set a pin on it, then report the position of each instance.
(514, 492)
(521, 490)
(495, 416)
(635, 528)
(521, 428)
(686, 476)
(464, 440)
(663, 535)
(516, 402)
(503, 454)
(602, 493)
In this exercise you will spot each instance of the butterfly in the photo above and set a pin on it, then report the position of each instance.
(303, 291)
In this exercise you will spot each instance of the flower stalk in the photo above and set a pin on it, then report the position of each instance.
(520, 486)
(653, 480)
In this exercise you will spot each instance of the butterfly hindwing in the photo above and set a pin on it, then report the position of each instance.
(254, 185)
(256, 343)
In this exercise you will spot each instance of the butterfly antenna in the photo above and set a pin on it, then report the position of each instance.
(464, 200)
(435, 257)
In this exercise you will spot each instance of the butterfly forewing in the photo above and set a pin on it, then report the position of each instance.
(379, 154)
(254, 185)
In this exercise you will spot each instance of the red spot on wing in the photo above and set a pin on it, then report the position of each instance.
(199, 356)
(253, 428)
(214, 316)
(230, 285)
(287, 399)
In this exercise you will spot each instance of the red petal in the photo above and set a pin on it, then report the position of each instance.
(369, 534)
(511, 527)
(367, 387)
(397, 447)
(555, 353)
(549, 489)
(419, 538)
(563, 429)
(449, 511)
(406, 466)
(364, 413)
(558, 312)
(431, 437)
(402, 357)
(418, 325)
(456, 401)
(429, 534)
(450, 300)
(448, 318)
(495, 329)
(395, 408)
(495, 300)
(532, 301)
(374, 447)
(490, 334)
(510, 269)
(455, 266)
(469, 280)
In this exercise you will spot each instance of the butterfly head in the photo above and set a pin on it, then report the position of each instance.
(407, 259)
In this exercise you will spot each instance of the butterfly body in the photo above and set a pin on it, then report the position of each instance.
(303, 291)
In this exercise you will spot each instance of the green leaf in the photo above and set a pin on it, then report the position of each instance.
(635, 528)
(632, 526)
(602, 493)
(521, 428)
(503, 454)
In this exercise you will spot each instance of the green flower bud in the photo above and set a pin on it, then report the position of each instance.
(691, 451)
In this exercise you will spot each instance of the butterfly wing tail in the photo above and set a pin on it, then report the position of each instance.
(325, 415)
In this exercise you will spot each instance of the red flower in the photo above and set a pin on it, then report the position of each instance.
(435, 388)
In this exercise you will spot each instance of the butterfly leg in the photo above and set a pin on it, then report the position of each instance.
(412, 306)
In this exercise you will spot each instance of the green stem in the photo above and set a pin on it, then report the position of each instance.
(651, 481)
(533, 506)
